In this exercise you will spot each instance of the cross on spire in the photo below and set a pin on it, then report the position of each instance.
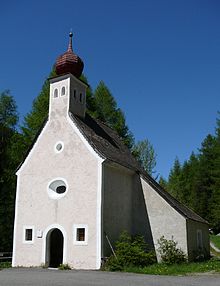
(70, 47)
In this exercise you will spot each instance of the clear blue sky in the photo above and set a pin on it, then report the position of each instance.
(159, 58)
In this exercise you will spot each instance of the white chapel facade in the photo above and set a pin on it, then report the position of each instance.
(79, 183)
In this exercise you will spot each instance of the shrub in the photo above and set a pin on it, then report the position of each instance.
(130, 251)
(5, 265)
(169, 252)
(64, 267)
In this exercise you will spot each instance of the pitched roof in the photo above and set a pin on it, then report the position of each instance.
(109, 145)
(105, 141)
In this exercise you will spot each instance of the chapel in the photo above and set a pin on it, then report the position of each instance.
(79, 187)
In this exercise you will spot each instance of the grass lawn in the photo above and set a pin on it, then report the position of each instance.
(178, 269)
(215, 239)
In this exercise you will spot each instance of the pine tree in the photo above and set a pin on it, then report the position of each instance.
(197, 182)
(8, 121)
(192, 182)
(206, 175)
(35, 118)
(8, 110)
(90, 101)
(107, 111)
(174, 179)
(214, 204)
(163, 182)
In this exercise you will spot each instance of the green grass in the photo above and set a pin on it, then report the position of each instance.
(215, 239)
(178, 269)
(5, 265)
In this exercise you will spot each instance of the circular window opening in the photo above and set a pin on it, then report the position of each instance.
(59, 147)
(57, 188)
(61, 189)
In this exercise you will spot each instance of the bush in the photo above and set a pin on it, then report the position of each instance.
(169, 252)
(64, 267)
(130, 251)
(5, 265)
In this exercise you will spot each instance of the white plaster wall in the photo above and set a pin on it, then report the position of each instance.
(117, 203)
(81, 169)
(124, 207)
(164, 220)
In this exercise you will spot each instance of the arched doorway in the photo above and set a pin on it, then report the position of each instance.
(54, 248)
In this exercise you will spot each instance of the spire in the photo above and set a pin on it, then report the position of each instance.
(70, 47)
(69, 62)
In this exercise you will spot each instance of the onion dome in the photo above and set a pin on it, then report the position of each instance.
(69, 62)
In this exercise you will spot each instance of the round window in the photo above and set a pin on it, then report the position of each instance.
(61, 189)
(57, 188)
(59, 147)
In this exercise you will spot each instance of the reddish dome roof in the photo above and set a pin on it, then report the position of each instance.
(69, 62)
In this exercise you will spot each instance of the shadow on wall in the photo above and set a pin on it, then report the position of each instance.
(140, 223)
(124, 208)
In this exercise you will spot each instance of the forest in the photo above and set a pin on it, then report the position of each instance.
(195, 183)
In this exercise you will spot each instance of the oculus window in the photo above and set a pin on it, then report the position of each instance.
(57, 188)
(59, 147)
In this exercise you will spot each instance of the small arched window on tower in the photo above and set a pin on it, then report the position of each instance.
(63, 91)
(81, 97)
(55, 93)
(74, 94)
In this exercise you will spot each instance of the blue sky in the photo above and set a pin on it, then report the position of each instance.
(160, 59)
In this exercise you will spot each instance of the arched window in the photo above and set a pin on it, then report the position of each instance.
(63, 91)
(55, 94)
(80, 97)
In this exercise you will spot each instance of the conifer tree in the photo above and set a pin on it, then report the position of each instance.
(174, 179)
(8, 121)
(206, 175)
(214, 203)
(35, 118)
(107, 111)
(197, 182)
(163, 183)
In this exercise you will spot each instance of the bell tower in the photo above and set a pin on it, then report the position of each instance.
(67, 91)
